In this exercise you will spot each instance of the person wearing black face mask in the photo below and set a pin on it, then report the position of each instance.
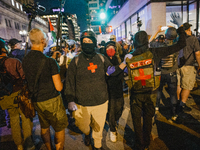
(88, 47)
(86, 89)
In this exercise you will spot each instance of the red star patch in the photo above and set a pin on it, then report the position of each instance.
(85, 33)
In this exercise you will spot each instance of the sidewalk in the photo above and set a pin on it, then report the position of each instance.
(166, 135)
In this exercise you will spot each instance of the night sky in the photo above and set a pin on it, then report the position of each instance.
(77, 7)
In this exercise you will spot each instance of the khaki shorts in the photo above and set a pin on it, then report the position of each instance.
(52, 112)
(186, 77)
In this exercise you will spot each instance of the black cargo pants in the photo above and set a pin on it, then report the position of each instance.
(141, 105)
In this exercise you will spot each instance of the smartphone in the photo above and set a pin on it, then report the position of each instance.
(164, 28)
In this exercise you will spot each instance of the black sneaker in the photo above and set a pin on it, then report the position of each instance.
(87, 140)
(186, 108)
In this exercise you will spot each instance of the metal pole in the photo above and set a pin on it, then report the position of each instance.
(187, 10)
(59, 32)
(125, 30)
(197, 19)
(182, 9)
(29, 28)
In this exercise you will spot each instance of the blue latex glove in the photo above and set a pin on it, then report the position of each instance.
(126, 70)
(129, 56)
(110, 70)
(72, 106)
(176, 19)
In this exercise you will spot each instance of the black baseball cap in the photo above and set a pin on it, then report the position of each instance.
(186, 25)
(13, 41)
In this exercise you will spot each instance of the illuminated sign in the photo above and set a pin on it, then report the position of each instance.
(58, 9)
(113, 7)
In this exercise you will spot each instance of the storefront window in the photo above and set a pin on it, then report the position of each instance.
(128, 29)
(176, 9)
(134, 24)
(123, 31)
(142, 18)
(119, 36)
(199, 19)
(192, 15)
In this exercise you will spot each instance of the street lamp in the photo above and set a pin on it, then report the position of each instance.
(23, 33)
(102, 15)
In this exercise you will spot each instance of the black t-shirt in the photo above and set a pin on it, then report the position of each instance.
(45, 89)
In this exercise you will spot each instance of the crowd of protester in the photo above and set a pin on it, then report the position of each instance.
(87, 79)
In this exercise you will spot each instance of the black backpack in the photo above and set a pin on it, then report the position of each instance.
(6, 85)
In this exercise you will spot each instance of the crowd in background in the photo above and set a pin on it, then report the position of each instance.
(78, 88)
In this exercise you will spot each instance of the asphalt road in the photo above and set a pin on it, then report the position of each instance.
(166, 135)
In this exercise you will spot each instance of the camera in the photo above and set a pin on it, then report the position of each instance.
(32, 9)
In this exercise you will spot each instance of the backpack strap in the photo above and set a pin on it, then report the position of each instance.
(77, 58)
(102, 58)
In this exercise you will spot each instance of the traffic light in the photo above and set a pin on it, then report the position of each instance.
(105, 29)
(99, 29)
(109, 29)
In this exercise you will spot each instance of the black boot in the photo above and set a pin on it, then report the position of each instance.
(186, 108)
(87, 140)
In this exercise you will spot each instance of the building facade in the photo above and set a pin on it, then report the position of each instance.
(70, 28)
(14, 21)
(124, 15)
(95, 8)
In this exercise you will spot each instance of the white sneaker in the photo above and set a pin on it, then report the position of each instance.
(19, 147)
(157, 108)
(113, 136)
(174, 117)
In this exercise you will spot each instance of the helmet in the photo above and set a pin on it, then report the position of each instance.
(88, 34)
(170, 33)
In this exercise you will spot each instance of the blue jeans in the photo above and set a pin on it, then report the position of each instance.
(171, 80)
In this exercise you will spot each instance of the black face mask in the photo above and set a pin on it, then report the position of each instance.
(88, 48)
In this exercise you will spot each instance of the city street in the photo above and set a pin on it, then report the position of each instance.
(166, 135)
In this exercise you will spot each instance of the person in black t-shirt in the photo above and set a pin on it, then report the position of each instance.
(187, 73)
(47, 99)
